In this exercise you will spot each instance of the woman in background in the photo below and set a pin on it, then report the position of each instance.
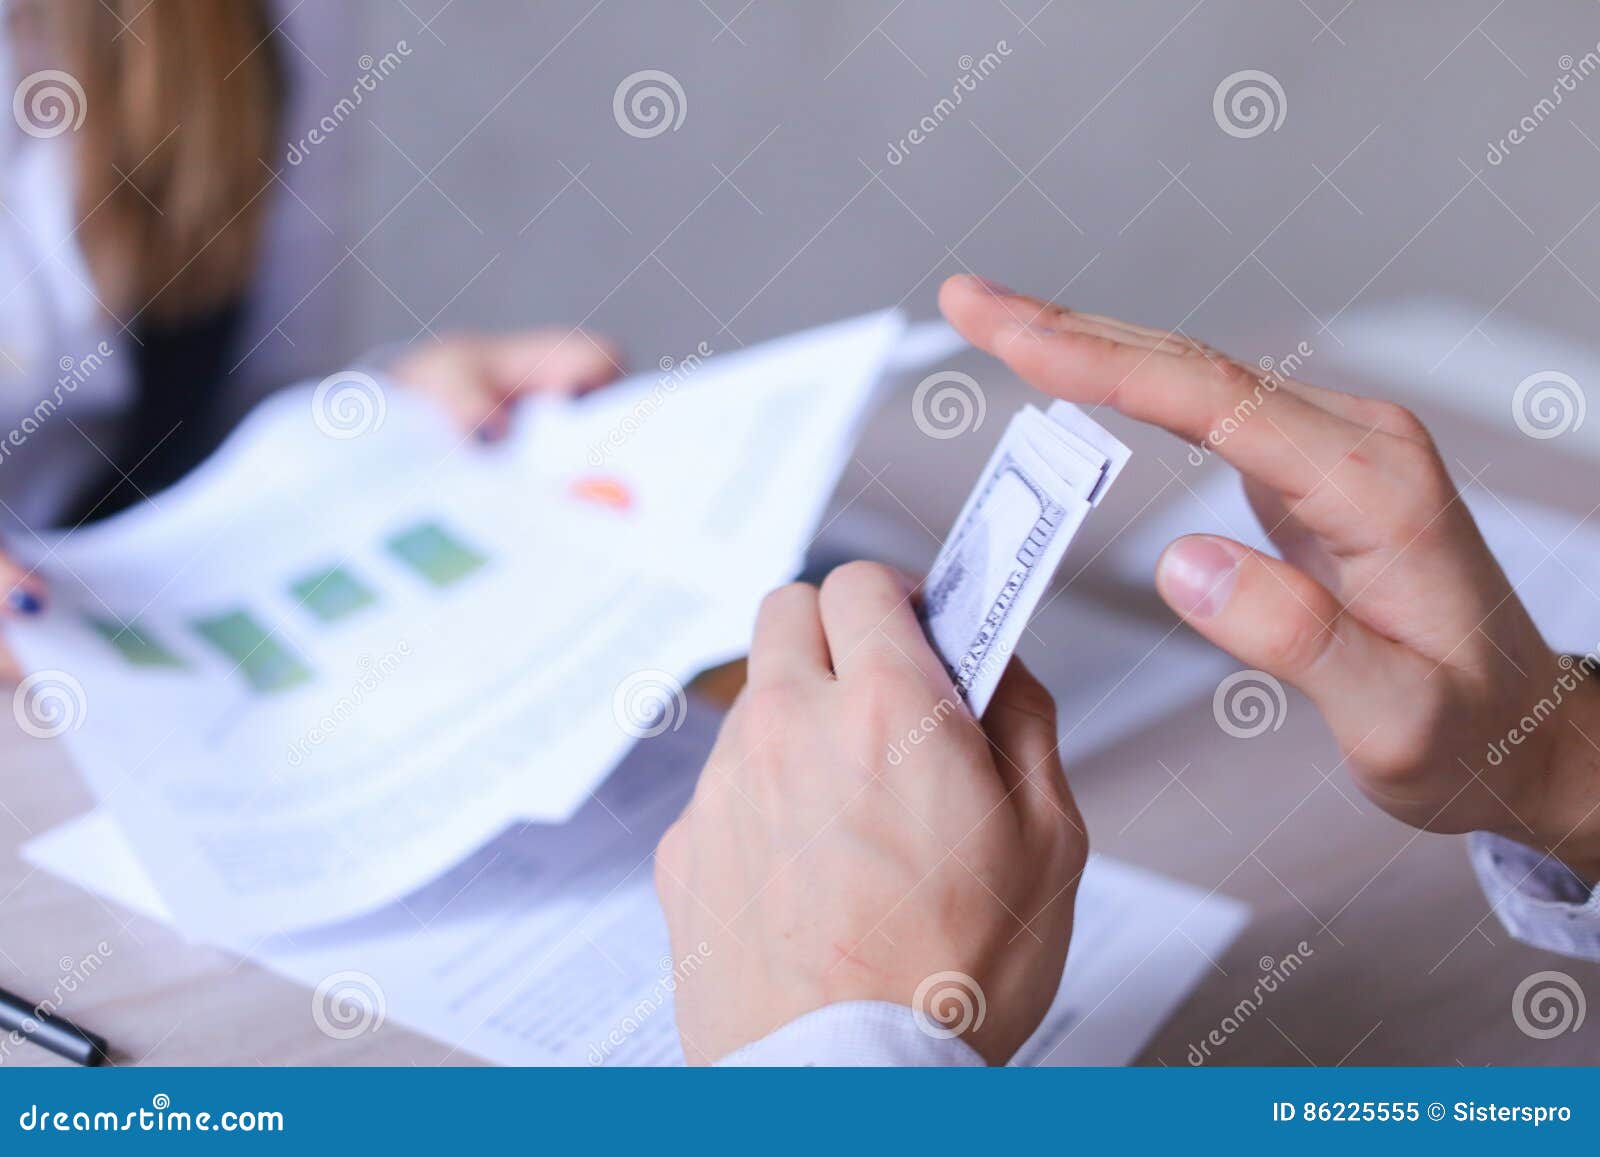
(155, 255)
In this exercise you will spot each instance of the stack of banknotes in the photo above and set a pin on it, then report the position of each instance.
(1048, 471)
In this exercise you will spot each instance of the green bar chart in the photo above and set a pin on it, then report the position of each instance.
(267, 664)
(328, 594)
(434, 553)
(136, 647)
(332, 594)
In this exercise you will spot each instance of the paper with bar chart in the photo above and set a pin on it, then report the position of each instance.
(341, 656)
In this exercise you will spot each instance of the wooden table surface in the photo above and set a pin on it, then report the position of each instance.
(1407, 965)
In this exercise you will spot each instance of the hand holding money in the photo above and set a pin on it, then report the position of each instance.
(853, 802)
(1386, 608)
(856, 836)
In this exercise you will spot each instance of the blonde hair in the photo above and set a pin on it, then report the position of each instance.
(173, 171)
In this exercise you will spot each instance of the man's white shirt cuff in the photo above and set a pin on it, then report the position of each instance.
(1537, 897)
(859, 1033)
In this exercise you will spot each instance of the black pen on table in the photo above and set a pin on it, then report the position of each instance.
(61, 1037)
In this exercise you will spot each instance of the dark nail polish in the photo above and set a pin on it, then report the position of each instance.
(25, 602)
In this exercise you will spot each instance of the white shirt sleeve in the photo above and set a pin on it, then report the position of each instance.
(858, 1033)
(1537, 897)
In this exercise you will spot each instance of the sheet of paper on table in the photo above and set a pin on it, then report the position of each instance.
(548, 946)
(352, 647)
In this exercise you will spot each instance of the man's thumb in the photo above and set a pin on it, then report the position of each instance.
(1274, 617)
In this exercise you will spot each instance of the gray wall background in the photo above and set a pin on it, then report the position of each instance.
(1056, 175)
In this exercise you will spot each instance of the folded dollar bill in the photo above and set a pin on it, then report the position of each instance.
(1050, 468)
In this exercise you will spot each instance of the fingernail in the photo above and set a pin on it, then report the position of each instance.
(24, 602)
(993, 288)
(483, 434)
(1197, 577)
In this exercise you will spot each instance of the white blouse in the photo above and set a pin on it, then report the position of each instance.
(66, 366)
